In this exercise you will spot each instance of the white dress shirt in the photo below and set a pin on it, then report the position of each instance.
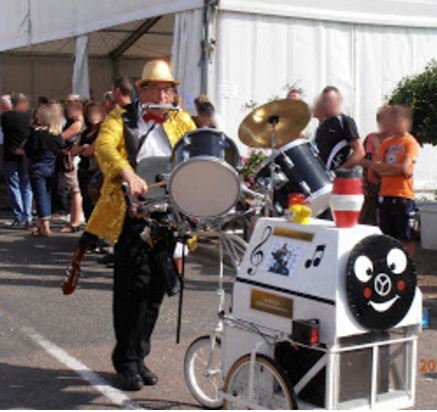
(156, 143)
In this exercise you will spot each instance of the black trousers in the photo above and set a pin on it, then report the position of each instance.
(138, 294)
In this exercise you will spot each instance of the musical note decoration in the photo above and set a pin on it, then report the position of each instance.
(257, 255)
(317, 257)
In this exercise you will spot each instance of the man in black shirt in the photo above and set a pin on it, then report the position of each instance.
(337, 136)
(16, 128)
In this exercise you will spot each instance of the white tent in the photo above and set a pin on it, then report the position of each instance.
(237, 51)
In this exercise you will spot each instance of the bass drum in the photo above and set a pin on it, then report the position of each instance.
(297, 169)
(204, 182)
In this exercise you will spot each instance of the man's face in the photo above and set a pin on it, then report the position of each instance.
(330, 104)
(157, 92)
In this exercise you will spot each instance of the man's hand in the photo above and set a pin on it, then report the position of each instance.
(357, 155)
(137, 186)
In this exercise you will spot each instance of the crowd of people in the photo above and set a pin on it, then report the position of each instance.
(388, 157)
(49, 165)
(50, 168)
(61, 158)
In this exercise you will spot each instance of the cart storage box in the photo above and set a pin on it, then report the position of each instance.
(428, 225)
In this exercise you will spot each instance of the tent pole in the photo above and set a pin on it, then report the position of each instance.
(208, 9)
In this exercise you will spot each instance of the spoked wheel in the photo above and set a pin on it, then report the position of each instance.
(203, 372)
(235, 247)
(271, 386)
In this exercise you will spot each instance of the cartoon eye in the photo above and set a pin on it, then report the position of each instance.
(363, 269)
(397, 261)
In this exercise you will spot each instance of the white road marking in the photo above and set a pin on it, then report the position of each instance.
(116, 396)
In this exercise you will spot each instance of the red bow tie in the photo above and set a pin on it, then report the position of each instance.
(157, 119)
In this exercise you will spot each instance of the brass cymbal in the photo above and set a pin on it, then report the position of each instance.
(291, 116)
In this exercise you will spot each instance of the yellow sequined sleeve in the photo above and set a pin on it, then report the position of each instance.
(110, 146)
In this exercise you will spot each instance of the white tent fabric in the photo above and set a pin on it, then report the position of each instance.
(28, 22)
(81, 77)
(185, 55)
(259, 55)
(410, 13)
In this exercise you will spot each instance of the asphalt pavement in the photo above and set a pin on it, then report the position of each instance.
(55, 350)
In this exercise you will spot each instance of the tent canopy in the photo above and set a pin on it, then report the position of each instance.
(25, 22)
(155, 42)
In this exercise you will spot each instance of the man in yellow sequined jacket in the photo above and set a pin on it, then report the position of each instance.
(128, 136)
(108, 216)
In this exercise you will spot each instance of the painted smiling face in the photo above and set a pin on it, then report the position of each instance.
(380, 282)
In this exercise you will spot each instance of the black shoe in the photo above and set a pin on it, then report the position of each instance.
(149, 378)
(129, 382)
(108, 258)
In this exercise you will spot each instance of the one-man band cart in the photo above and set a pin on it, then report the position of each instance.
(322, 317)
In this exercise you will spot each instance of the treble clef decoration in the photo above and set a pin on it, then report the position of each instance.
(257, 255)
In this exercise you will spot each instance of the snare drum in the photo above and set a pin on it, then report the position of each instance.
(204, 182)
(297, 169)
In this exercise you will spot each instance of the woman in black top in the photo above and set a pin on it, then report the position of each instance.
(88, 166)
(42, 147)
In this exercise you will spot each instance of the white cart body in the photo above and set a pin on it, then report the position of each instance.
(312, 286)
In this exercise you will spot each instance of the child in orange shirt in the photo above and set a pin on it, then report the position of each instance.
(395, 162)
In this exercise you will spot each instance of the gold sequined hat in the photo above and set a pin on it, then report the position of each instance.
(156, 71)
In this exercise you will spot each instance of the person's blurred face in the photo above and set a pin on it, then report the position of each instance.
(73, 111)
(58, 111)
(39, 116)
(23, 106)
(385, 123)
(95, 116)
(330, 104)
(400, 124)
(293, 95)
(4, 106)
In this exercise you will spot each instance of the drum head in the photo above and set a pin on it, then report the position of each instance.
(380, 282)
(204, 187)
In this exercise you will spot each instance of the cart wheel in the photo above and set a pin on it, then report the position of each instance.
(272, 388)
(203, 374)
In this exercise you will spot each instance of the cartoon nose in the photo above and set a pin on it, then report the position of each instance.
(382, 284)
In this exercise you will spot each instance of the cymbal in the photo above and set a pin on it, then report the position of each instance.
(291, 117)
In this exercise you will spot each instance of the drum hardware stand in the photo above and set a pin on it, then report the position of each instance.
(273, 120)
(181, 293)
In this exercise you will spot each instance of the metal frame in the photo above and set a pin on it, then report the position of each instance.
(331, 360)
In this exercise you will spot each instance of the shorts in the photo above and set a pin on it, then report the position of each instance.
(398, 217)
(68, 182)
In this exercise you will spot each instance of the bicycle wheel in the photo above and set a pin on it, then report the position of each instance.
(271, 387)
(235, 247)
(203, 374)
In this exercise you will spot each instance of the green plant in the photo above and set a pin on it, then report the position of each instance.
(251, 164)
(420, 93)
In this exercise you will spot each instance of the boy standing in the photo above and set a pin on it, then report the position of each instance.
(395, 162)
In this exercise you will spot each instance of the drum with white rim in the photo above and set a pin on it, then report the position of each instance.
(297, 169)
(204, 182)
